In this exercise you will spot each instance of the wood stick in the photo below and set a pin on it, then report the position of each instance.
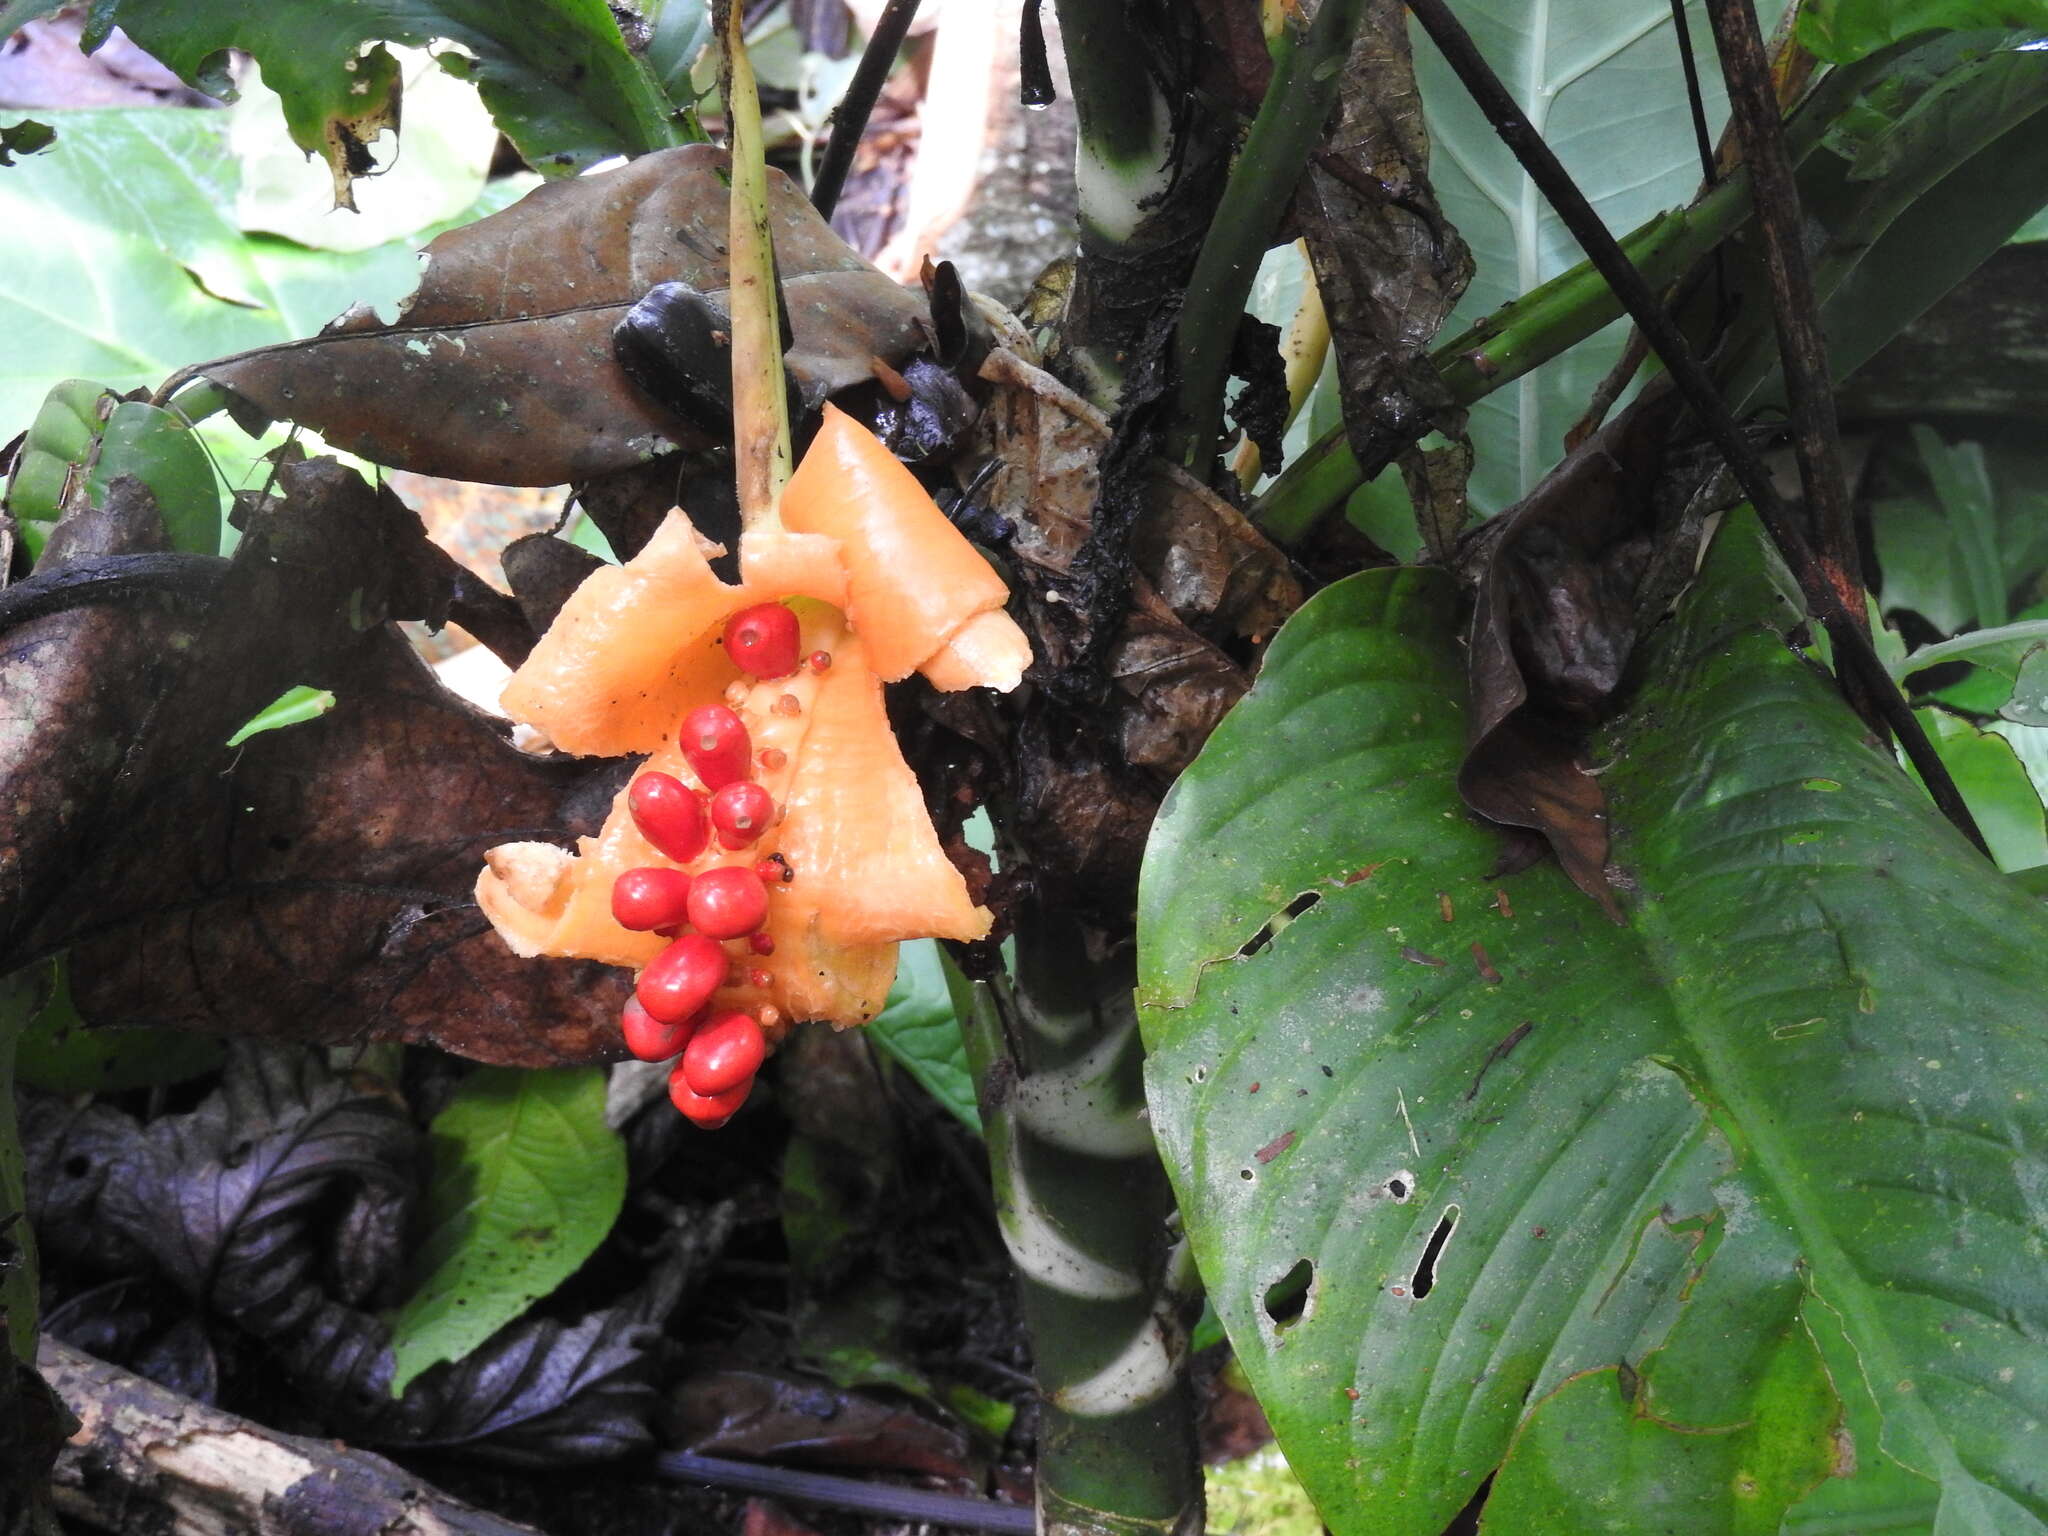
(146, 1459)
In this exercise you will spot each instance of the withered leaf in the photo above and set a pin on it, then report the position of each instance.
(224, 1199)
(319, 886)
(316, 882)
(1554, 623)
(501, 367)
(770, 1415)
(1388, 263)
(1086, 789)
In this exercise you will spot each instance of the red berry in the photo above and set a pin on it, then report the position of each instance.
(741, 812)
(650, 1039)
(728, 902)
(714, 739)
(669, 814)
(763, 640)
(711, 1110)
(724, 1054)
(820, 660)
(651, 899)
(774, 870)
(761, 943)
(760, 980)
(681, 979)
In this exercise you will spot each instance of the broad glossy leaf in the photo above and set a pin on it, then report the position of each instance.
(1842, 31)
(527, 1181)
(1936, 166)
(921, 1033)
(1995, 785)
(1601, 80)
(135, 266)
(556, 74)
(1567, 1194)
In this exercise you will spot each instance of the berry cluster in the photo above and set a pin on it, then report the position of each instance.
(670, 1014)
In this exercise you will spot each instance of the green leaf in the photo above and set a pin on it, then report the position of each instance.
(1995, 785)
(1842, 31)
(679, 29)
(555, 74)
(1937, 161)
(921, 1032)
(1601, 81)
(527, 1181)
(1773, 1145)
(160, 450)
(25, 137)
(60, 1054)
(294, 706)
(2007, 675)
(139, 268)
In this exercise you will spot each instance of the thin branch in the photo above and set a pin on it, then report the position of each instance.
(914, 1505)
(850, 117)
(1853, 654)
(1803, 349)
(1693, 96)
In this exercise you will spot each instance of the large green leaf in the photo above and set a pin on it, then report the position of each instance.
(556, 74)
(1601, 81)
(527, 1181)
(1841, 31)
(1761, 1168)
(137, 266)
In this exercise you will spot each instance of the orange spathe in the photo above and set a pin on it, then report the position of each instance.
(637, 646)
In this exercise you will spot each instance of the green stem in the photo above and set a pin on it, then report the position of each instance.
(1085, 1209)
(1507, 344)
(1308, 68)
(1145, 177)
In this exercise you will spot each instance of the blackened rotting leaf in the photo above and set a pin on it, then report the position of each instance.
(70, 1149)
(143, 1327)
(774, 1416)
(676, 349)
(926, 413)
(224, 1200)
(1260, 408)
(1556, 616)
(501, 367)
(538, 1393)
(1388, 263)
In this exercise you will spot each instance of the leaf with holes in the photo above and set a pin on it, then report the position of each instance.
(556, 74)
(1480, 1181)
(527, 1180)
(1588, 72)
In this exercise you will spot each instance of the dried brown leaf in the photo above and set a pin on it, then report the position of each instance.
(1388, 262)
(501, 369)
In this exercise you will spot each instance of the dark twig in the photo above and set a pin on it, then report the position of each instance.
(1693, 96)
(1802, 348)
(912, 1504)
(1861, 669)
(850, 117)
